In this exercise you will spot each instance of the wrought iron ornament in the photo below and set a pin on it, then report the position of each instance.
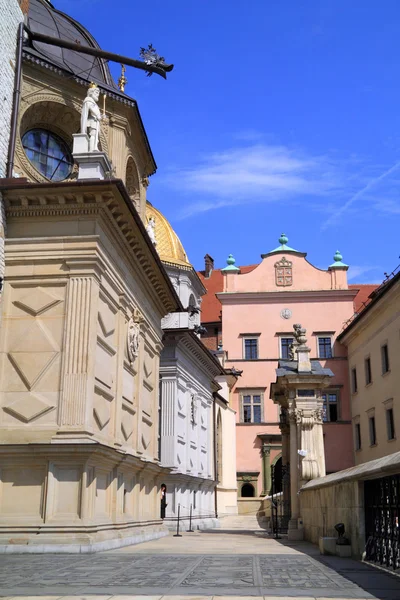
(151, 58)
(382, 508)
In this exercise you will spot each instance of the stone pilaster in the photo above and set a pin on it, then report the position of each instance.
(294, 472)
(76, 389)
(168, 394)
(266, 469)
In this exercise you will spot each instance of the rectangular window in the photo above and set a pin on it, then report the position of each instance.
(368, 372)
(331, 402)
(354, 386)
(286, 342)
(357, 433)
(372, 431)
(251, 348)
(252, 408)
(324, 347)
(390, 424)
(385, 359)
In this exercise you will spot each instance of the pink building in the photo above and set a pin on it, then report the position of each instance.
(259, 308)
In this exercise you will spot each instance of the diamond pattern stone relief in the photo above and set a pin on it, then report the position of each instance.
(127, 424)
(106, 322)
(28, 407)
(37, 301)
(30, 366)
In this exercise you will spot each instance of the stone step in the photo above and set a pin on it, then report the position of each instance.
(250, 522)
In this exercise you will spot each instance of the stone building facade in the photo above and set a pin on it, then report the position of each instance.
(84, 296)
(11, 15)
(372, 339)
(194, 397)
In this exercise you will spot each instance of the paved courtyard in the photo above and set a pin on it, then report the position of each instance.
(200, 564)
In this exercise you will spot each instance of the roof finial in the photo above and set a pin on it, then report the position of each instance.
(122, 81)
(230, 261)
(338, 261)
(283, 240)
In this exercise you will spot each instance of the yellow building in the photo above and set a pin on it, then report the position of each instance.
(373, 344)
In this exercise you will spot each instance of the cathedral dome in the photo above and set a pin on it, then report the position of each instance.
(45, 19)
(169, 246)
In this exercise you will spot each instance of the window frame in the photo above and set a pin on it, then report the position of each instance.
(251, 392)
(385, 361)
(325, 337)
(372, 429)
(390, 423)
(354, 382)
(250, 337)
(62, 145)
(331, 391)
(357, 435)
(284, 336)
(368, 370)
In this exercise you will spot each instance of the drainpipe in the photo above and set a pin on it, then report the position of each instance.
(215, 457)
(16, 99)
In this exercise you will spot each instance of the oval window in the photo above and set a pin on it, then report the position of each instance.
(48, 153)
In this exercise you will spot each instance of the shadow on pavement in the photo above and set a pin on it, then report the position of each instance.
(381, 584)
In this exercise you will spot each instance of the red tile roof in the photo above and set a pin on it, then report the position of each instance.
(211, 306)
(364, 290)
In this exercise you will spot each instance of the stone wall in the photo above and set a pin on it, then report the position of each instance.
(323, 507)
(10, 17)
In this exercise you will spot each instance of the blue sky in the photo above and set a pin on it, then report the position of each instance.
(280, 116)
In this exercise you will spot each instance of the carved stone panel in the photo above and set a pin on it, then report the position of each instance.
(283, 272)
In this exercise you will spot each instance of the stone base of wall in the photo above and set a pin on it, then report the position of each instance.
(250, 506)
(79, 542)
(197, 524)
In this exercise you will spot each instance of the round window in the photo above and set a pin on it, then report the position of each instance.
(48, 153)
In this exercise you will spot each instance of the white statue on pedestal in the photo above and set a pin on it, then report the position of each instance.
(151, 230)
(133, 335)
(91, 117)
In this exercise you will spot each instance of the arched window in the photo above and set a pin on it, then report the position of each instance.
(277, 476)
(247, 490)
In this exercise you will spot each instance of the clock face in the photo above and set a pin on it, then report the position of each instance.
(286, 313)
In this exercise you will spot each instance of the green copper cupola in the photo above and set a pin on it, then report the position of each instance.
(338, 261)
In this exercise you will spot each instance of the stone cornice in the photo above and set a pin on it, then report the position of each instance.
(272, 297)
(104, 198)
(189, 340)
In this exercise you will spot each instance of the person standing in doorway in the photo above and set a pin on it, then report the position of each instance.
(163, 500)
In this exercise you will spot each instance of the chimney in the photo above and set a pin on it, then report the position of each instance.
(208, 265)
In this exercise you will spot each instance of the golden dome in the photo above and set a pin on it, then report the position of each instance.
(169, 246)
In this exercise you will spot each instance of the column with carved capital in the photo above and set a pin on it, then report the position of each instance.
(79, 351)
(266, 469)
(167, 431)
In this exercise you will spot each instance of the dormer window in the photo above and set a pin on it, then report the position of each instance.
(48, 153)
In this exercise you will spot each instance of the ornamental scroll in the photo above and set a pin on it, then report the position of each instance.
(283, 272)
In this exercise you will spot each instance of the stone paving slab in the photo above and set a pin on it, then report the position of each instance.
(287, 575)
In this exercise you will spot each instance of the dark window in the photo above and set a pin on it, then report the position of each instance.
(48, 153)
(324, 347)
(285, 347)
(252, 408)
(368, 373)
(385, 358)
(194, 499)
(372, 431)
(354, 387)
(358, 436)
(247, 491)
(330, 409)
(306, 393)
(390, 424)
(251, 349)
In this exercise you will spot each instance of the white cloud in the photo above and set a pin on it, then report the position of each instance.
(357, 272)
(256, 173)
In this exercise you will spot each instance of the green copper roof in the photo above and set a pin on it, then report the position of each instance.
(230, 268)
(283, 240)
(338, 261)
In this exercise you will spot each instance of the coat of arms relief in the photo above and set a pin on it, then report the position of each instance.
(283, 272)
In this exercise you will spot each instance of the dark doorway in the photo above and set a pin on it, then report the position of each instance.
(278, 476)
(247, 491)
